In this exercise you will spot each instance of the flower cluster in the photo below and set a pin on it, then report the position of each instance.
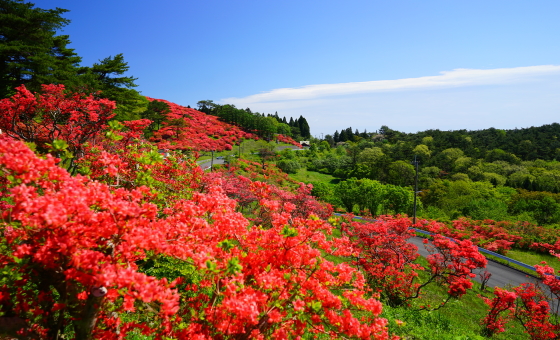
(286, 139)
(387, 258)
(530, 304)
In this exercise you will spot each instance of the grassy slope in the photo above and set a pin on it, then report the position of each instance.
(305, 176)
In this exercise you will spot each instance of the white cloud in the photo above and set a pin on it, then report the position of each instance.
(455, 78)
(460, 99)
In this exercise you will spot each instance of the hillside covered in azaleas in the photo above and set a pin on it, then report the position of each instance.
(138, 244)
(189, 129)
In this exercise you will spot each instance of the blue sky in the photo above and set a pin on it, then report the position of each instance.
(410, 65)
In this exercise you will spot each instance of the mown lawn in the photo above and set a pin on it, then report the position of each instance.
(533, 258)
(305, 176)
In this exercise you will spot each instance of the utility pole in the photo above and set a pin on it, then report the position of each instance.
(415, 163)
(240, 142)
(212, 161)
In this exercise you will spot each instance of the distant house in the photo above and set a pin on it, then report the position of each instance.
(305, 143)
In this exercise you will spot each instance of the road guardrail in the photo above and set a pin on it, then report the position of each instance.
(482, 250)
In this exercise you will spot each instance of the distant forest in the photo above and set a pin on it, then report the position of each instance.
(526, 144)
(497, 174)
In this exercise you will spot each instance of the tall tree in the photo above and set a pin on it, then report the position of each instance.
(206, 106)
(108, 77)
(291, 123)
(157, 112)
(336, 136)
(32, 54)
(303, 127)
(343, 137)
(30, 51)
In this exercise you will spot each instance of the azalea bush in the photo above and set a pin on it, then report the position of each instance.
(498, 236)
(123, 159)
(260, 200)
(534, 306)
(527, 304)
(286, 139)
(54, 115)
(388, 260)
(74, 253)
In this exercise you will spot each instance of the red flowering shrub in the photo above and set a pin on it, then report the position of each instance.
(452, 263)
(122, 158)
(530, 304)
(288, 140)
(388, 259)
(502, 303)
(54, 115)
(270, 174)
(72, 248)
(497, 236)
(261, 200)
(547, 247)
(69, 244)
(533, 312)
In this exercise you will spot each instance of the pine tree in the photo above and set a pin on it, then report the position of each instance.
(304, 127)
(31, 53)
(349, 134)
(108, 77)
(343, 135)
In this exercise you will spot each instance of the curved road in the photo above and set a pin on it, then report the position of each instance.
(205, 164)
(502, 275)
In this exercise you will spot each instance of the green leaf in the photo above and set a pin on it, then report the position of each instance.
(115, 125)
(226, 245)
(234, 266)
(289, 231)
(59, 145)
(211, 265)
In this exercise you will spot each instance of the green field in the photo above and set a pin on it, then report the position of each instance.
(305, 176)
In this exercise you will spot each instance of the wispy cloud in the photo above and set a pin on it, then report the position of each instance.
(447, 79)
(459, 99)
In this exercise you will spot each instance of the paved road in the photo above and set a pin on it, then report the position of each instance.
(205, 164)
(502, 275)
